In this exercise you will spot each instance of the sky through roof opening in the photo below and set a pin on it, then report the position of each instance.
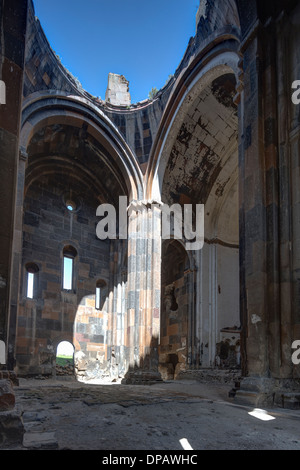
(144, 41)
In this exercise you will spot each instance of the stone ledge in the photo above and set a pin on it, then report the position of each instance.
(289, 400)
(264, 391)
(141, 378)
(212, 375)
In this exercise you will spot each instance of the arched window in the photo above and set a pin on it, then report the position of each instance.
(100, 286)
(71, 201)
(71, 205)
(69, 254)
(31, 280)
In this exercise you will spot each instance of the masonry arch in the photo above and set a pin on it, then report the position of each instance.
(195, 161)
(45, 113)
(64, 363)
(188, 87)
(72, 160)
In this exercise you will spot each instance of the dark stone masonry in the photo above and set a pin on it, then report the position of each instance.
(223, 132)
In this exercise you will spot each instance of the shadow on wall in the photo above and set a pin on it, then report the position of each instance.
(175, 307)
(72, 283)
(83, 322)
(79, 313)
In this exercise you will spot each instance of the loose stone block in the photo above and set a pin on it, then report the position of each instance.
(7, 396)
(11, 429)
(37, 440)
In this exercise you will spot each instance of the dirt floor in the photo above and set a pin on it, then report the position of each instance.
(66, 414)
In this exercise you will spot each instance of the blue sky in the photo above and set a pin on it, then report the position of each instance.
(142, 40)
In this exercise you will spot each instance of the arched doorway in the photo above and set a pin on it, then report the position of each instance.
(73, 165)
(64, 362)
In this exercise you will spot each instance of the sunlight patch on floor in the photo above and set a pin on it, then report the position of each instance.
(261, 414)
(185, 444)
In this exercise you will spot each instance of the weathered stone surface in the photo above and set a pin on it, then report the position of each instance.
(10, 375)
(117, 92)
(166, 371)
(7, 396)
(40, 440)
(11, 429)
(196, 143)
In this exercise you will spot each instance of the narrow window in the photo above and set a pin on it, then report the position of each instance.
(31, 272)
(69, 254)
(68, 273)
(100, 285)
(98, 297)
(30, 284)
(71, 206)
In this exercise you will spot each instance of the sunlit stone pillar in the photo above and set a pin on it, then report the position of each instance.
(143, 309)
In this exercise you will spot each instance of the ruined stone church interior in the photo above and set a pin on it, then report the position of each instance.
(144, 309)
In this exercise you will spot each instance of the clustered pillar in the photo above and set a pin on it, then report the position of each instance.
(143, 313)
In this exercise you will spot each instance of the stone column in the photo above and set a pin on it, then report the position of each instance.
(16, 264)
(143, 310)
(13, 16)
(257, 260)
(283, 38)
(265, 219)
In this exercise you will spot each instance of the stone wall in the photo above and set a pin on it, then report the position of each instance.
(43, 68)
(139, 124)
(117, 92)
(226, 111)
(51, 315)
(12, 45)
